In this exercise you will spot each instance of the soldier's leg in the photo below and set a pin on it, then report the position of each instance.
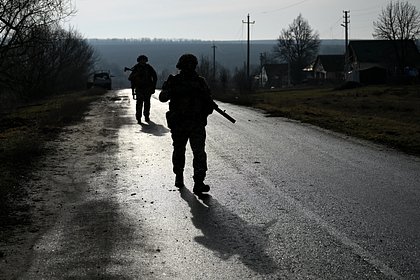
(139, 106)
(197, 142)
(146, 109)
(179, 142)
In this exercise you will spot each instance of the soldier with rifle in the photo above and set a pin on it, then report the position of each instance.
(190, 105)
(143, 80)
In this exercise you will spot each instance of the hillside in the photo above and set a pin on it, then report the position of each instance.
(115, 54)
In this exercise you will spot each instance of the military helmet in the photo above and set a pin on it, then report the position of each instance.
(142, 57)
(187, 61)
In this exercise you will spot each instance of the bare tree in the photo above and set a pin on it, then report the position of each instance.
(19, 19)
(240, 79)
(204, 68)
(37, 56)
(298, 45)
(224, 77)
(398, 21)
(57, 60)
(74, 59)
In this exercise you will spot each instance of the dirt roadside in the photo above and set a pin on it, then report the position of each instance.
(60, 180)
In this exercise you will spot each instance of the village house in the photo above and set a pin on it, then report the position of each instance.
(381, 61)
(329, 68)
(274, 75)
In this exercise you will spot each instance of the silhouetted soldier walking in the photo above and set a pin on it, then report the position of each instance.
(189, 106)
(143, 80)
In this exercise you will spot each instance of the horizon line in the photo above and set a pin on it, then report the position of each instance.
(145, 39)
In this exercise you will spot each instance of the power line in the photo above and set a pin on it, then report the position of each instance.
(286, 7)
(367, 9)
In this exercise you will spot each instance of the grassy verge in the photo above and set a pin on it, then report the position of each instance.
(384, 114)
(23, 133)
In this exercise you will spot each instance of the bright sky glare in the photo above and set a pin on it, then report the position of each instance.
(222, 19)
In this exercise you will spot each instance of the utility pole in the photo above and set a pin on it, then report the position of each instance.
(346, 32)
(346, 27)
(214, 62)
(261, 66)
(247, 58)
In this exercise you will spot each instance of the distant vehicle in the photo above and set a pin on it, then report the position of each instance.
(102, 79)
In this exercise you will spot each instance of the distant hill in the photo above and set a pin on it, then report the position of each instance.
(115, 54)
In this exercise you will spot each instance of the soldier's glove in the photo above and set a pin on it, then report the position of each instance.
(133, 92)
(164, 95)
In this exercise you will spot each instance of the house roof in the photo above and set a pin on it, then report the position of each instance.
(276, 69)
(380, 51)
(331, 63)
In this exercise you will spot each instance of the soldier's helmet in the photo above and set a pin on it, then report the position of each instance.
(142, 58)
(187, 61)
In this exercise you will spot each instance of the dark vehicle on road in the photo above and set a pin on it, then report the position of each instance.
(102, 79)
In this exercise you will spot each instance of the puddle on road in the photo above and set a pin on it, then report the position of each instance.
(119, 99)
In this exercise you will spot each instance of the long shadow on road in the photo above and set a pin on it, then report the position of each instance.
(227, 234)
(95, 244)
(154, 128)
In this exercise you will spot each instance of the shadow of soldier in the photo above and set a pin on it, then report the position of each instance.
(154, 128)
(94, 235)
(227, 234)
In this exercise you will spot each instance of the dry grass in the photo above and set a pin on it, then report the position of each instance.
(384, 114)
(23, 133)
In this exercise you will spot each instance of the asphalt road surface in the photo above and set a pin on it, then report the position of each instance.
(287, 201)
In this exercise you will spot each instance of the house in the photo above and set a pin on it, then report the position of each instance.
(378, 61)
(329, 67)
(275, 75)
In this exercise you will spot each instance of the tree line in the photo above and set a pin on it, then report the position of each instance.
(38, 56)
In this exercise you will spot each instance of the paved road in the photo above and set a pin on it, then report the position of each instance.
(287, 201)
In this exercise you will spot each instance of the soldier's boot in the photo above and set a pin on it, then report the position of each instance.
(199, 186)
(179, 180)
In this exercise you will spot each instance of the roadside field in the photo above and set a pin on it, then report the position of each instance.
(23, 133)
(388, 115)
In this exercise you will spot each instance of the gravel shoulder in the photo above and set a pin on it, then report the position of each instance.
(60, 182)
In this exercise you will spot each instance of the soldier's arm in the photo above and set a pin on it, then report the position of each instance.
(154, 75)
(210, 105)
(165, 93)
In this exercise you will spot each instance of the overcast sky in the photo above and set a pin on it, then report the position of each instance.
(221, 19)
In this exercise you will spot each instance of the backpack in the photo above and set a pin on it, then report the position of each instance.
(140, 77)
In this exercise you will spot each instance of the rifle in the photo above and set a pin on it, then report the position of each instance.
(215, 106)
(132, 88)
(223, 113)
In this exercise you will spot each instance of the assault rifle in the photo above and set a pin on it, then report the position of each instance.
(223, 113)
(133, 92)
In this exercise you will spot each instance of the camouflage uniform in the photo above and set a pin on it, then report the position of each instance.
(190, 104)
(144, 80)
